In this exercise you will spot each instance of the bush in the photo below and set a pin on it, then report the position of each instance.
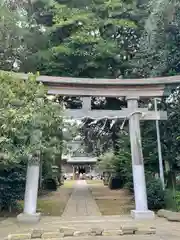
(115, 183)
(50, 184)
(170, 199)
(155, 194)
(129, 185)
(12, 187)
(178, 201)
(128, 182)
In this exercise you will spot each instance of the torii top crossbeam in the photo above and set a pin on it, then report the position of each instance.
(147, 87)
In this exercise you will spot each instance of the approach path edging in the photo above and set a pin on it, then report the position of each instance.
(72, 232)
(169, 215)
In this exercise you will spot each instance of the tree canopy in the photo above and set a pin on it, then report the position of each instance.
(91, 38)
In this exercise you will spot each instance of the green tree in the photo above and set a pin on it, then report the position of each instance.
(89, 38)
(25, 109)
(10, 38)
(119, 163)
(158, 53)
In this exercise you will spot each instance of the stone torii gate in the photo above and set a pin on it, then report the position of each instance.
(133, 90)
(134, 115)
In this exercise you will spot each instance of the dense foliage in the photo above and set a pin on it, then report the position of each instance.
(91, 38)
(84, 37)
(155, 194)
(120, 174)
(119, 164)
(25, 110)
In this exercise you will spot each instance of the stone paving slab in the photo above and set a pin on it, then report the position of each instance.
(164, 230)
(65, 231)
(133, 237)
(120, 238)
(81, 202)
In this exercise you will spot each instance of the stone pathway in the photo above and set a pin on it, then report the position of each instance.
(82, 213)
(81, 202)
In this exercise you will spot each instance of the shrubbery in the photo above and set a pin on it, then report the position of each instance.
(177, 200)
(121, 164)
(25, 110)
(12, 186)
(50, 184)
(123, 177)
(115, 182)
(129, 185)
(155, 194)
(172, 199)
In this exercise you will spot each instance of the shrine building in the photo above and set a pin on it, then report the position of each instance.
(78, 161)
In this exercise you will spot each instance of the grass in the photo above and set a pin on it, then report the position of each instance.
(49, 203)
(94, 181)
(113, 207)
(47, 207)
(68, 183)
(112, 202)
(54, 203)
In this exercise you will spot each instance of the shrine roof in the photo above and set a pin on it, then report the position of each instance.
(82, 160)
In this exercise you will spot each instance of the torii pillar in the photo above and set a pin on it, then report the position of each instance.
(29, 214)
(141, 211)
